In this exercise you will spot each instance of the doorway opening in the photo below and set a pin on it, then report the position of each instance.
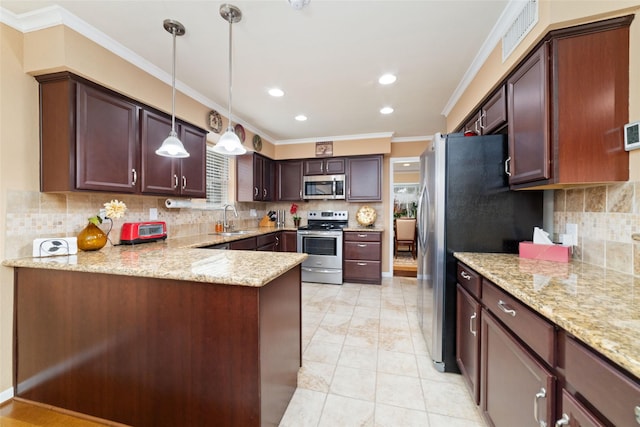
(403, 193)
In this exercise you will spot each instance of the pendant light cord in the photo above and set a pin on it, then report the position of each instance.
(173, 84)
(230, 128)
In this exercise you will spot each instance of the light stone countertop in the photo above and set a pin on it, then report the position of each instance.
(600, 307)
(178, 259)
(361, 229)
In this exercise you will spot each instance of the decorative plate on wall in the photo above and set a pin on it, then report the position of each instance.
(366, 216)
(257, 143)
(215, 121)
(239, 130)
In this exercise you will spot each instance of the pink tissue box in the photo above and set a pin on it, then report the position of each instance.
(532, 250)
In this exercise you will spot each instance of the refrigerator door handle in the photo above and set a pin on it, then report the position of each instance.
(424, 221)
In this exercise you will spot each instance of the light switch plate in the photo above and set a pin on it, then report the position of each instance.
(632, 136)
(54, 246)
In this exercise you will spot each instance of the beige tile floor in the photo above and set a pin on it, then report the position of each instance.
(365, 363)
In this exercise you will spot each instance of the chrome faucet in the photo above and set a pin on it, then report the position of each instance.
(225, 223)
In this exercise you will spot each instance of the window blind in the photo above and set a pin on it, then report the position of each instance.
(217, 178)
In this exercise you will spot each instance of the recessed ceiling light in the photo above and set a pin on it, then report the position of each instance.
(386, 110)
(276, 92)
(301, 117)
(387, 79)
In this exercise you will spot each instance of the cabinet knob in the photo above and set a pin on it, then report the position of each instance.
(564, 421)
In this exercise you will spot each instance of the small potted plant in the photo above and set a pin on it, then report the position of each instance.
(294, 211)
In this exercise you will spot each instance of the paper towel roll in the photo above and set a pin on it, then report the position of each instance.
(172, 203)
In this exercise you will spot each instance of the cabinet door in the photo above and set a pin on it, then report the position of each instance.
(473, 125)
(268, 179)
(515, 389)
(334, 166)
(289, 180)
(106, 145)
(529, 139)
(468, 341)
(314, 167)
(574, 414)
(494, 112)
(193, 169)
(246, 189)
(160, 175)
(364, 178)
(289, 241)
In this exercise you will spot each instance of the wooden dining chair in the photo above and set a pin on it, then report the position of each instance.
(405, 235)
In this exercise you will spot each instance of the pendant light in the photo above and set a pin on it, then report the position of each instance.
(229, 144)
(172, 146)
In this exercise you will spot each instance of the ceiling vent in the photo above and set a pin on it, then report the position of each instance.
(522, 24)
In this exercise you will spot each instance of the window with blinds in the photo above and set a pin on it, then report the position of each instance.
(217, 178)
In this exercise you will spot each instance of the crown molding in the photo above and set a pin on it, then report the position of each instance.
(335, 138)
(506, 18)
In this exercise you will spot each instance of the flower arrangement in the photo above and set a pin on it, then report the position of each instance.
(113, 210)
(293, 211)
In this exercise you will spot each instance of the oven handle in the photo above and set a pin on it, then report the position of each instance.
(319, 233)
(316, 270)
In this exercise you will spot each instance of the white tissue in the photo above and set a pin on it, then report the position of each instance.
(541, 237)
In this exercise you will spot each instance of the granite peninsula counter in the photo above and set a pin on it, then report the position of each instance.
(160, 334)
(599, 307)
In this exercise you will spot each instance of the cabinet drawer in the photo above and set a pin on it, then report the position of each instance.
(362, 236)
(362, 250)
(469, 279)
(362, 270)
(614, 395)
(532, 329)
(265, 239)
(246, 244)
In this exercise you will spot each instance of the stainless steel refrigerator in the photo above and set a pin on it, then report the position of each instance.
(465, 205)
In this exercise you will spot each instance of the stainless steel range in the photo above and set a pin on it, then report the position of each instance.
(321, 239)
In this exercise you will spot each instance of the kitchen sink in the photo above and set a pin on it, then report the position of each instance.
(231, 233)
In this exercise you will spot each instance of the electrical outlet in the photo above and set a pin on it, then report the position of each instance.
(103, 214)
(571, 236)
(153, 214)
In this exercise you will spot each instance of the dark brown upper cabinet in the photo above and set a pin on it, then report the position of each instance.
(327, 166)
(491, 117)
(567, 105)
(92, 138)
(289, 180)
(364, 178)
(164, 175)
(255, 178)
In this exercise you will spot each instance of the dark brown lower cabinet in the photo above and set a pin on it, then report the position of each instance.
(468, 341)
(516, 389)
(363, 257)
(157, 352)
(289, 241)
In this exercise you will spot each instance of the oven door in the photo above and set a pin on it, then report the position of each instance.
(323, 247)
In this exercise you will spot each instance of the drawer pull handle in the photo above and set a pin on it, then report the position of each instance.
(564, 421)
(465, 275)
(135, 177)
(539, 395)
(504, 307)
(362, 235)
(637, 411)
(360, 245)
(471, 323)
(362, 264)
(175, 181)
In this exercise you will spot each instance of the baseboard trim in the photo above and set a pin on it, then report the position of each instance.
(6, 395)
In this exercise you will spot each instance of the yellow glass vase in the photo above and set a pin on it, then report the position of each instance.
(91, 238)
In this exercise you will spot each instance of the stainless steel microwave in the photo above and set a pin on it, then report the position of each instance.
(323, 187)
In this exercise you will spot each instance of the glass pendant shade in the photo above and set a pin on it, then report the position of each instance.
(229, 144)
(172, 147)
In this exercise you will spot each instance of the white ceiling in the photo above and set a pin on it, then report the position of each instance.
(327, 57)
